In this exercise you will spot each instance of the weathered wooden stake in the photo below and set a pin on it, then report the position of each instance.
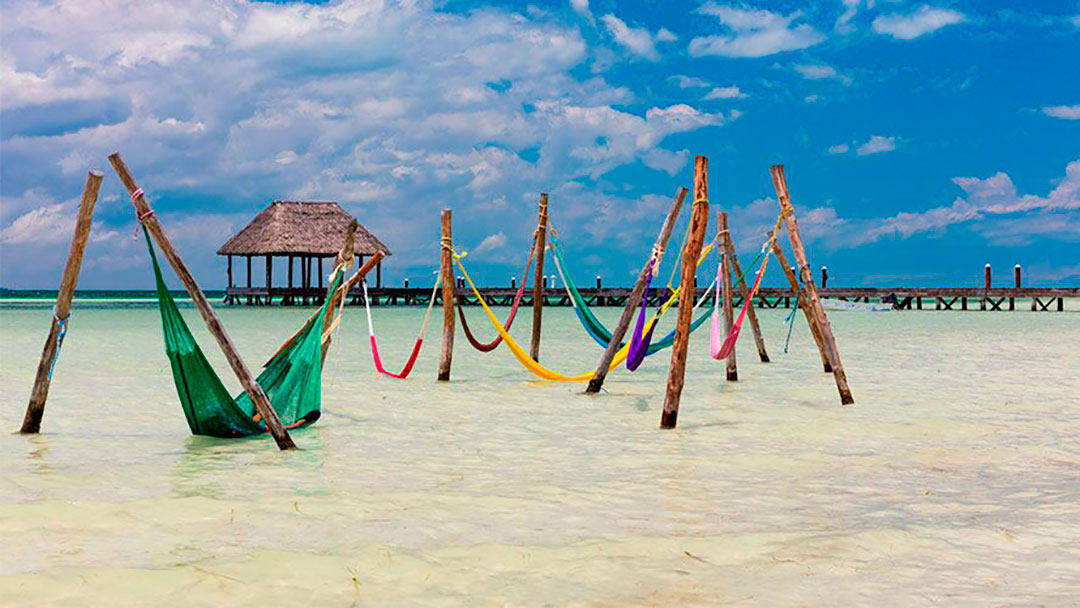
(780, 184)
(815, 331)
(751, 314)
(447, 259)
(634, 299)
(213, 323)
(824, 277)
(727, 293)
(333, 297)
(35, 409)
(699, 221)
(538, 284)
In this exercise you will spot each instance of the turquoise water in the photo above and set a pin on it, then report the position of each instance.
(954, 480)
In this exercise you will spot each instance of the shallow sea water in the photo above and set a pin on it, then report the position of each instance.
(954, 480)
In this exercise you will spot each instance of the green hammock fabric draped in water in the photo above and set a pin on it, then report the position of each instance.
(595, 328)
(292, 380)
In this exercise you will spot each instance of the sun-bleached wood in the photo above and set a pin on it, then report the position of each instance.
(751, 314)
(634, 299)
(213, 323)
(35, 409)
(814, 302)
(730, 365)
(803, 304)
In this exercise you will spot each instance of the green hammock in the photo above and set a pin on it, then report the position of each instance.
(292, 380)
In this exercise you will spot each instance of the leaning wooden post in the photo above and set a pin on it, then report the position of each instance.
(699, 221)
(788, 211)
(36, 408)
(728, 293)
(447, 259)
(634, 300)
(815, 331)
(344, 261)
(538, 284)
(759, 340)
(213, 323)
(986, 287)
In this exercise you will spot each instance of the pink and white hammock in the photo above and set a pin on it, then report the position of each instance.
(721, 346)
(404, 373)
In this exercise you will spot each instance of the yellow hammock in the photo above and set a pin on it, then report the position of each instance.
(531, 364)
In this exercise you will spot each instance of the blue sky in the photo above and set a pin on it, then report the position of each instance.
(921, 140)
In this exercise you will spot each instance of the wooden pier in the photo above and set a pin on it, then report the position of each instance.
(906, 298)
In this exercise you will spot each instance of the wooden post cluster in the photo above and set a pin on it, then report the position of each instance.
(447, 263)
(699, 220)
(35, 409)
(213, 323)
(751, 314)
(634, 299)
(538, 284)
(813, 301)
(333, 298)
(730, 365)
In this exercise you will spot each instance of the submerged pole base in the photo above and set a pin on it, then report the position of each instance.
(669, 419)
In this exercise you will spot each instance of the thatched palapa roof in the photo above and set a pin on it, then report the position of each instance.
(300, 228)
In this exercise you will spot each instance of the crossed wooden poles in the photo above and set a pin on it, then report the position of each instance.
(36, 407)
(806, 293)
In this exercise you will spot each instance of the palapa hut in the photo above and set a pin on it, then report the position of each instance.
(304, 230)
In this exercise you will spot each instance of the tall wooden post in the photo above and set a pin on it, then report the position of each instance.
(213, 323)
(986, 276)
(824, 277)
(780, 184)
(35, 409)
(699, 221)
(751, 314)
(815, 331)
(447, 260)
(634, 300)
(1016, 276)
(728, 294)
(538, 284)
(248, 258)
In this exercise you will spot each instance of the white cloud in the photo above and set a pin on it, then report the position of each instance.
(731, 92)
(665, 35)
(689, 82)
(581, 7)
(921, 21)
(490, 242)
(838, 149)
(810, 98)
(381, 106)
(876, 144)
(992, 207)
(753, 33)
(1066, 112)
(851, 8)
(821, 72)
(637, 40)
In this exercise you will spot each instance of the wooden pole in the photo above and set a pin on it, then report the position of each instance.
(1016, 276)
(780, 184)
(751, 314)
(824, 277)
(634, 300)
(986, 276)
(538, 284)
(213, 323)
(728, 294)
(248, 258)
(699, 221)
(342, 292)
(35, 409)
(447, 260)
(815, 331)
(269, 277)
(344, 259)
